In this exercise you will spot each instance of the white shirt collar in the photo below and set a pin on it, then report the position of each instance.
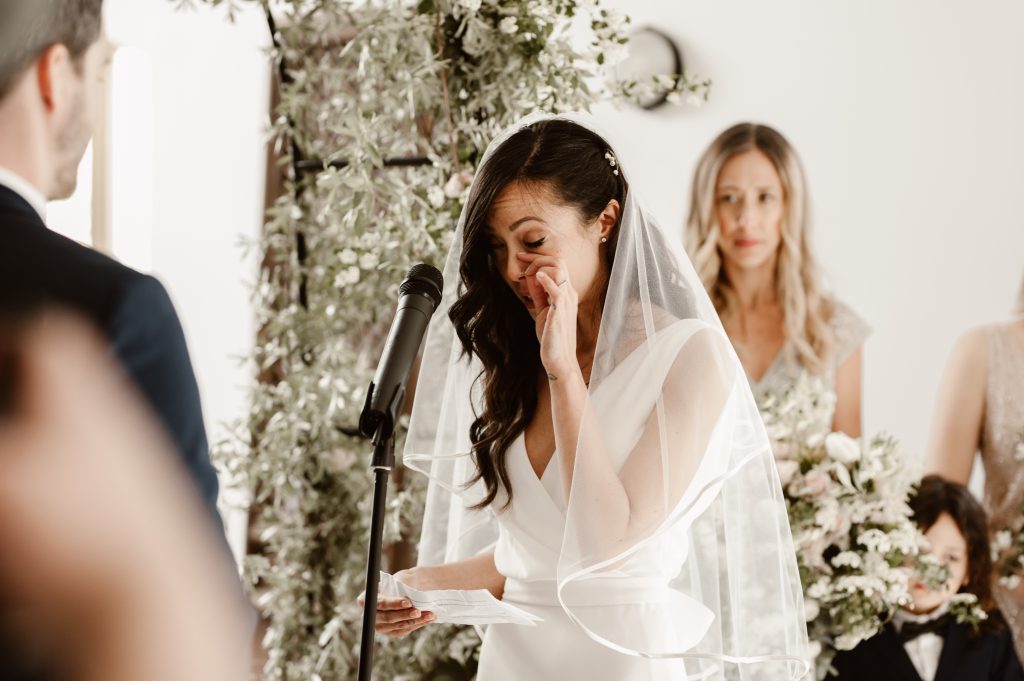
(925, 651)
(23, 188)
(902, 615)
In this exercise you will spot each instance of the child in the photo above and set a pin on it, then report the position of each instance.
(924, 642)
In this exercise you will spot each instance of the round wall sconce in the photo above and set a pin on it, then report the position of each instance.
(651, 53)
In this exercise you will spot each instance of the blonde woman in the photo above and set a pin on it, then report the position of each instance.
(748, 237)
(980, 407)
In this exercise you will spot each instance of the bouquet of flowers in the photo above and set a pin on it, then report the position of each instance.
(851, 523)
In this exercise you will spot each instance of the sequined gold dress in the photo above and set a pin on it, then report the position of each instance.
(1002, 449)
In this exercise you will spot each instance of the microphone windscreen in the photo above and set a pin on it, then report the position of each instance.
(425, 280)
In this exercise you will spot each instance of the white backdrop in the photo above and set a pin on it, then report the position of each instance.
(907, 116)
(209, 105)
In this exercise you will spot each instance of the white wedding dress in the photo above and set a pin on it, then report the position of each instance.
(672, 557)
(628, 608)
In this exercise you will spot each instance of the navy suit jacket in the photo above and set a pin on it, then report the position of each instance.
(40, 268)
(989, 657)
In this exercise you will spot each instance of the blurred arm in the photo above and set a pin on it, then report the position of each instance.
(847, 418)
(959, 410)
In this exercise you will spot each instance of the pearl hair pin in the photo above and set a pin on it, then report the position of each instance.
(612, 161)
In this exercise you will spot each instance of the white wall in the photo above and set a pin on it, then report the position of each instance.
(209, 101)
(906, 115)
(908, 118)
(210, 94)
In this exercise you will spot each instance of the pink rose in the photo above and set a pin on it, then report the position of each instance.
(813, 484)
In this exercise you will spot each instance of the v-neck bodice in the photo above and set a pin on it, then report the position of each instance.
(850, 330)
(531, 526)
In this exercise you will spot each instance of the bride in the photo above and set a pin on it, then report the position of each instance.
(594, 453)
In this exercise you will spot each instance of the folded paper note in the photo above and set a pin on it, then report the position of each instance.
(455, 606)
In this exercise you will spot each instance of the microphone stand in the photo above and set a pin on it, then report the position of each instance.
(381, 464)
(419, 295)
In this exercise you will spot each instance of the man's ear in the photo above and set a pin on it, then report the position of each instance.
(53, 68)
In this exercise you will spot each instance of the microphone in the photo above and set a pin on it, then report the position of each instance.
(418, 297)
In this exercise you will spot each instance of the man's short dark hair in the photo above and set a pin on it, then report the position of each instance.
(29, 27)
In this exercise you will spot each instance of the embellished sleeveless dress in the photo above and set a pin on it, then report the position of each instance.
(850, 330)
(1002, 451)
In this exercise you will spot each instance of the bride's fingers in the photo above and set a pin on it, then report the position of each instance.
(418, 626)
(536, 292)
(386, 603)
(393, 603)
(551, 263)
(396, 616)
(551, 288)
(404, 626)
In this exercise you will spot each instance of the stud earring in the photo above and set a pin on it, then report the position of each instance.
(604, 239)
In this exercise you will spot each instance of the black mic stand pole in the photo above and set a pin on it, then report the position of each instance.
(382, 463)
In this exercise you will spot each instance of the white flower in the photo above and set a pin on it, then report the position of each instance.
(1003, 540)
(471, 6)
(435, 195)
(849, 641)
(674, 97)
(813, 484)
(811, 609)
(348, 257)
(368, 261)
(875, 540)
(827, 515)
(694, 100)
(616, 19)
(820, 589)
(847, 559)
(787, 470)
(1011, 582)
(457, 184)
(843, 522)
(347, 277)
(665, 81)
(475, 39)
(842, 448)
(508, 25)
(615, 53)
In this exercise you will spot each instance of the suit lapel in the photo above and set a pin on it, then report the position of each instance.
(954, 652)
(13, 204)
(894, 656)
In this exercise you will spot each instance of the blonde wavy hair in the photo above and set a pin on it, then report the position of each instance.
(806, 310)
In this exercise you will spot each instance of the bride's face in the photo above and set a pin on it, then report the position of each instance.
(749, 204)
(528, 218)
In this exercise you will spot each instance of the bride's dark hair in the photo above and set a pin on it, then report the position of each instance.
(492, 324)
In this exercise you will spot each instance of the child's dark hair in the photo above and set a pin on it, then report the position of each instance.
(935, 496)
